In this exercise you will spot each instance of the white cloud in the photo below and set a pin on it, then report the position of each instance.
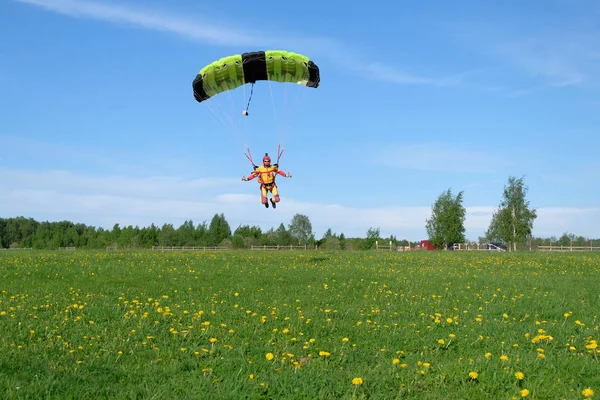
(393, 75)
(227, 36)
(202, 31)
(104, 201)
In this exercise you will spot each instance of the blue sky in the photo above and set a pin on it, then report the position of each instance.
(99, 124)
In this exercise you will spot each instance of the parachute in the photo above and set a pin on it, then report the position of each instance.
(233, 71)
(229, 73)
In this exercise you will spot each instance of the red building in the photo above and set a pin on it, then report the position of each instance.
(427, 245)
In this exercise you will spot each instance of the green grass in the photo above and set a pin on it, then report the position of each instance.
(410, 325)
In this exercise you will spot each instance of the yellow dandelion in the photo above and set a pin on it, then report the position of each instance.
(441, 341)
(587, 392)
(269, 356)
(213, 340)
(395, 361)
(324, 353)
(473, 375)
(504, 357)
(488, 355)
(519, 375)
(251, 376)
(345, 339)
(357, 381)
(524, 393)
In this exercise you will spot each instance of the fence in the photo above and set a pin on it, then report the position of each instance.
(189, 248)
(389, 247)
(278, 247)
(477, 247)
(568, 248)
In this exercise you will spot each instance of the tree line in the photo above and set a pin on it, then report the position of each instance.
(21, 232)
(511, 224)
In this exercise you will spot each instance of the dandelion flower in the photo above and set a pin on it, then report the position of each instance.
(519, 375)
(524, 393)
(395, 361)
(357, 381)
(473, 375)
(269, 356)
(587, 392)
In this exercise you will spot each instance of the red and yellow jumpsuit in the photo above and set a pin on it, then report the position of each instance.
(266, 174)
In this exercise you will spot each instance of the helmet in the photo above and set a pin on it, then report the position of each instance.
(266, 159)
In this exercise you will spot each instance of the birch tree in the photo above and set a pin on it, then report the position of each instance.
(512, 223)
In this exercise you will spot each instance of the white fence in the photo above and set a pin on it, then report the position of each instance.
(290, 247)
(568, 248)
(477, 247)
(189, 248)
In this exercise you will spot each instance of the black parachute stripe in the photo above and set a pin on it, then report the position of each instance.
(255, 66)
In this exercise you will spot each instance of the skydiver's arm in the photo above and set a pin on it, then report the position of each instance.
(253, 175)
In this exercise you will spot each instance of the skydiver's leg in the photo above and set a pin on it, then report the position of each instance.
(263, 196)
(275, 194)
(275, 197)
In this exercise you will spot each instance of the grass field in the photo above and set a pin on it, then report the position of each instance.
(299, 325)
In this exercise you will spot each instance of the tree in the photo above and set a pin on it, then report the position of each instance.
(446, 225)
(513, 221)
(372, 237)
(301, 229)
(342, 241)
(284, 238)
(218, 230)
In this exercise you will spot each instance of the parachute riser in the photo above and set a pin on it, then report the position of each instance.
(249, 157)
(279, 153)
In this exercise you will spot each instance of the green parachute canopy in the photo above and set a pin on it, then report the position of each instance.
(234, 71)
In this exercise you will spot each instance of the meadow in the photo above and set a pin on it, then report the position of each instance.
(299, 325)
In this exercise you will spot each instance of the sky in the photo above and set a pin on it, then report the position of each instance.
(98, 123)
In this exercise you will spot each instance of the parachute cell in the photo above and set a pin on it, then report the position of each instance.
(234, 71)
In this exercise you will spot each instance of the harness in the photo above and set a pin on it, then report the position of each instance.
(268, 186)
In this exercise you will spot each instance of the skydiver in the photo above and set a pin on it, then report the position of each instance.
(266, 174)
